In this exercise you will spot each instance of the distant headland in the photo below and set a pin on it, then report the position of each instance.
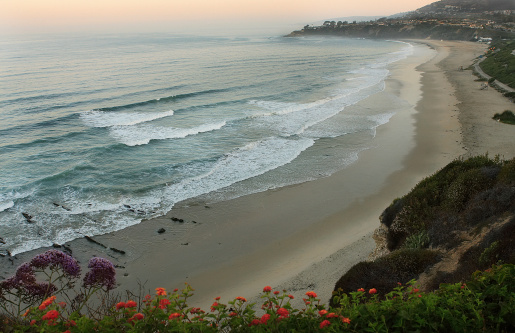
(447, 20)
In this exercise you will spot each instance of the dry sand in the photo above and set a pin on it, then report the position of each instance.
(304, 237)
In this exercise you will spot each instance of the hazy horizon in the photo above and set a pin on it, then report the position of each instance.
(183, 16)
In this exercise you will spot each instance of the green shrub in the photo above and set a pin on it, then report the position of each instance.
(434, 205)
(507, 173)
(384, 273)
(506, 117)
(417, 241)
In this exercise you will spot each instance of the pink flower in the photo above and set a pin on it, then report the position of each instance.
(372, 291)
(325, 323)
(267, 289)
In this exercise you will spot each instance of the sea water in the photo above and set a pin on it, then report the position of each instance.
(100, 132)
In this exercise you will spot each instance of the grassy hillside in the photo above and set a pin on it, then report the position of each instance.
(455, 222)
(500, 63)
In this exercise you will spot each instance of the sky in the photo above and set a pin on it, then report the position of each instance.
(182, 16)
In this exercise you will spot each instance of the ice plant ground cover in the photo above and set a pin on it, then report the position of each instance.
(485, 303)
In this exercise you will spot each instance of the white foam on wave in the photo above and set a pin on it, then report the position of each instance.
(6, 205)
(142, 134)
(252, 160)
(97, 118)
(295, 119)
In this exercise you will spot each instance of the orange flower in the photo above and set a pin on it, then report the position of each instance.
(325, 323)
(174, 315)
(130, 304)
(26, 313)
(361, 289)
(345, 320)
(233, 314)
(32, 322)
(372, 291)
(50, 315)
(322, 312)
(243, 299)
(160, 292)
(267, 289)
(311, 294)
(291, 296)
(332, 315)
(47, 302)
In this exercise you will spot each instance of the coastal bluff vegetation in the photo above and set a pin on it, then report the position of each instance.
(451, 224)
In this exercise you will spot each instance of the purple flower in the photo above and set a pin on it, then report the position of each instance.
(41, 289)
(101, 273)
(55, 259)
(25, 274)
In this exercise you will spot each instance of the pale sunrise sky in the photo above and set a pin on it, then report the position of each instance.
(181, 16)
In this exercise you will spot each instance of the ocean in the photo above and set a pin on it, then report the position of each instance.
(100, 132)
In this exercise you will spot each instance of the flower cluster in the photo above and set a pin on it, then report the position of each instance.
(101, 274)
(57, 259)
(62, 271)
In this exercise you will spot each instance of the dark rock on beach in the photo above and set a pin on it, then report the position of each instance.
(116, 250)
(28, 217)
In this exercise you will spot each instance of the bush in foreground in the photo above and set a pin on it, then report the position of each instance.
(485, 303)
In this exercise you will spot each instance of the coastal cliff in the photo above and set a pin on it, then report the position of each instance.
(457, 221)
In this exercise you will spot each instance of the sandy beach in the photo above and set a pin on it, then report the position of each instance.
(304, 237)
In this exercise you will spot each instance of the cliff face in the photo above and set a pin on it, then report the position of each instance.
(459, 220)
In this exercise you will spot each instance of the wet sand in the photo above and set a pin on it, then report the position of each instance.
(304, 237)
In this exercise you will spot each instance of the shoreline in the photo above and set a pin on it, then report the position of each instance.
(301, 237)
